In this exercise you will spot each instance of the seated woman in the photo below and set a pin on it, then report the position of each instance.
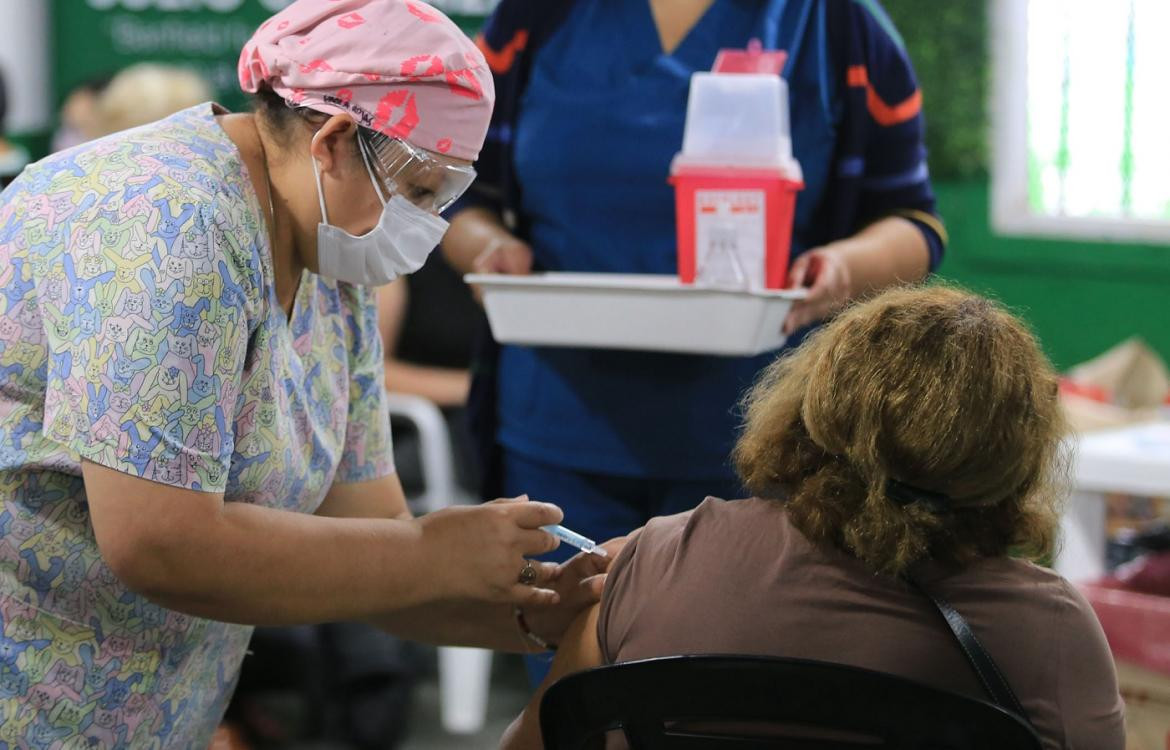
(930, 389)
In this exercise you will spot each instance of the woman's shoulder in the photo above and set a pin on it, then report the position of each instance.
(712, 527)
(714, 515)
(1017, 573)
(1045, 605)
(1035, 594)
(1072, 607)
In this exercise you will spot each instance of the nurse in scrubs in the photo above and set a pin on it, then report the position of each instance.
(592, 104)
(193, 427)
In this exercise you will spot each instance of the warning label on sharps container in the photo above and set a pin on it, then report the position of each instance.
(729, 237)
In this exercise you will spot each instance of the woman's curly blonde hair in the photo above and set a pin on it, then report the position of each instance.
(933, 387)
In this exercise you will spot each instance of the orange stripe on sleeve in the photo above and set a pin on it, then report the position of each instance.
(885, 114)
(929, 220)
(501, 61)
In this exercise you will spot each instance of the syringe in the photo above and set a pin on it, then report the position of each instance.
(574, 539)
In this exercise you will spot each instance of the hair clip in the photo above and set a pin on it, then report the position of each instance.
(906, 494)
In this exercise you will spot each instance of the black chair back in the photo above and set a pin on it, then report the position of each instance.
(748, 702)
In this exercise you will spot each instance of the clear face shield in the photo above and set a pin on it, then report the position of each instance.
(413, 187)
(426, 180)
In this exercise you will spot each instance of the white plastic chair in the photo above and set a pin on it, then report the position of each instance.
(464, 673)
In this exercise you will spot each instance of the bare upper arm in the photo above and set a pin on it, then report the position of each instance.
(579, 650)
(378, 498)
(134, 519)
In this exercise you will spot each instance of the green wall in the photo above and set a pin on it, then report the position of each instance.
(93, 41)
(1081, 297)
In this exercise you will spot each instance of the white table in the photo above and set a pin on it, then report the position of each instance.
(1132, 460)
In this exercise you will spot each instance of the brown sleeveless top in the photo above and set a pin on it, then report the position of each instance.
(737, 577)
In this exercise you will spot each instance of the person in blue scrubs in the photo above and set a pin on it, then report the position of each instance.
(591, 107)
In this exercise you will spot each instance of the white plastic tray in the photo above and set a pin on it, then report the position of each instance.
(647, 312)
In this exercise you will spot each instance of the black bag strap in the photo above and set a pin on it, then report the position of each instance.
(985, 667)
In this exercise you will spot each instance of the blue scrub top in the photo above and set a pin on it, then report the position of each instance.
(602, 118)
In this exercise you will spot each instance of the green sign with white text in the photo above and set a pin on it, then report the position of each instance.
(94, 38)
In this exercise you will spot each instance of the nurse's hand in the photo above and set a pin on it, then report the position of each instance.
(825, 273)
(478, 551)
(579, 581)
(504, 254)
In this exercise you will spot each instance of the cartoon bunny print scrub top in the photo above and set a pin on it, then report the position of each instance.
(139, 329)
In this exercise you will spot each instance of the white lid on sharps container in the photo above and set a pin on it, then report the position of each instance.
(738, 120)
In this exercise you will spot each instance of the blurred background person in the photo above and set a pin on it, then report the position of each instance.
(136, 95)
(429, 321)
(144, 93)
(79, 114)
(593, 99)
(12, 158)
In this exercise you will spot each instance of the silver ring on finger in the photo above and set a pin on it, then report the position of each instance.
(528, 573)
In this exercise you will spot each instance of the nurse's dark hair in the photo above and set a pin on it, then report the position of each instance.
(283, 119)
(940, 391)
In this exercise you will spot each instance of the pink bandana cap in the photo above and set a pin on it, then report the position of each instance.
(399, 67)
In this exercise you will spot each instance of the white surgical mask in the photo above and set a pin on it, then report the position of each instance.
(399, 245)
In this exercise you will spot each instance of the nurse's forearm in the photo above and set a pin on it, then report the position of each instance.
(889, 251)
(261, 566)
(459, 624)
(240, 562)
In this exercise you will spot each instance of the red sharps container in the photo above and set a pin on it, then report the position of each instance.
(735, 179)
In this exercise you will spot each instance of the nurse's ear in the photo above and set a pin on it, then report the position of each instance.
(334, 145)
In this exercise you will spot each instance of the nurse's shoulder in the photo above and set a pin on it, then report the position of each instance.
(178, 213)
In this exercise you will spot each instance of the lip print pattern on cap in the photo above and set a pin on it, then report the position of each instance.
(336, 57)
